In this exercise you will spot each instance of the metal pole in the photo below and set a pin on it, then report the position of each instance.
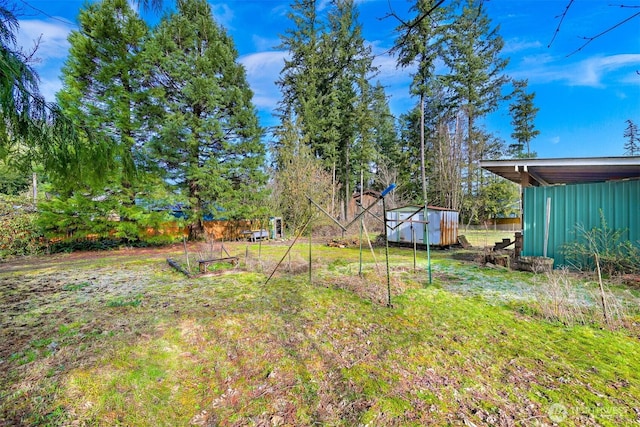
(288, 250)
(327, 214)
(386, 251)
(310, 236)
(547, 220)
(362, 218)
(415, 248)
(361, 226)
(186, 253)
(426, 225)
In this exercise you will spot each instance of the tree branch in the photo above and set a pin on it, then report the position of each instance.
(562, 16)
(411, 25)
(613, 27)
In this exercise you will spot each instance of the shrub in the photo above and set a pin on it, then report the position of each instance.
(86, 222)
(19, 233)
(614, 252)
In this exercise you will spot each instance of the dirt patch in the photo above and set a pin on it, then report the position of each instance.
(38, 262)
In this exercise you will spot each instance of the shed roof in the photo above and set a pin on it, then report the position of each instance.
(542, 172)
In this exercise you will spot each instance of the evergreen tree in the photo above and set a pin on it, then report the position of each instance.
(632, 146)
(305, 86)
(351, 123)
(325, 88)
(102, 80)
(523, 113)
(475, 78)
(205, 129)
(102, 91)
(33, 130)
(389, 156)
(302, 80)
(420, 41)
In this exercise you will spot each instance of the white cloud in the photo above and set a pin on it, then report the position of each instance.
(518, 45)
(555, 140)
(53, 38)
(52, 50)
(263, 69)
(265, 43)
(223, 14)
(621, 95)
(49, 86)
(597, 71)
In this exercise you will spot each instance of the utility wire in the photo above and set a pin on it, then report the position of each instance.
(64, 21)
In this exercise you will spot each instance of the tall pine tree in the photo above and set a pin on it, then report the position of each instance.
(101, 81)
(206, 137)
(325, 88)
(632, 134)
(351, 124)
(389, 156)
(420, 41)
(476, 77)
(523, 113)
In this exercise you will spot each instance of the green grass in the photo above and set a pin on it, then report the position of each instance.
(75, 286)
(230, 350)
(124, 302)
(482, 238)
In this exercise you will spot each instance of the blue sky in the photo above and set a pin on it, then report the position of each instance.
(584, 97)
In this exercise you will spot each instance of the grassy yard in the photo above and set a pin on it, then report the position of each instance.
(482, 238)
(121, 338)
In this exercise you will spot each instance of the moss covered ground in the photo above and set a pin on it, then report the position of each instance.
(123, 339)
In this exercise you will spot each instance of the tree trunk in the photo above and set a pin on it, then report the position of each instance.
(347, 190)
(333, 189)
(470, 154)
(196, 228)
(423, 173)
(34, 182)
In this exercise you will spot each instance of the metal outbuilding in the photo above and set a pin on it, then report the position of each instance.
(559, 195)
(442, 225)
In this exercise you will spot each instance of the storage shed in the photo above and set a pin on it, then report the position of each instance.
(560, 194)
(442, 225)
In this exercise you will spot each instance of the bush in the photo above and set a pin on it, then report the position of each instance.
(615, 253)
(85, 222)
(19, 233)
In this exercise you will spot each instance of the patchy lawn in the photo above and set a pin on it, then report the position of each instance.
(120, 338)
(486, 237)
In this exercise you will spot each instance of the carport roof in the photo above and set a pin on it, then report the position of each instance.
(541, 172)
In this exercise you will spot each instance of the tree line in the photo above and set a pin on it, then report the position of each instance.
(152, 119)
(170, 123)
(335, 115)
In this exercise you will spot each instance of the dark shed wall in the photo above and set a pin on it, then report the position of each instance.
(578, 204)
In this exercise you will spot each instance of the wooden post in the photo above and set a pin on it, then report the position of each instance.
(186, 252)
(34, 181)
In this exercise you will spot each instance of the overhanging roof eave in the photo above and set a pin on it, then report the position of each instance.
(565, 170)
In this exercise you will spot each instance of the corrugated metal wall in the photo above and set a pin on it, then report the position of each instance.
(443, 226)
(578, 204)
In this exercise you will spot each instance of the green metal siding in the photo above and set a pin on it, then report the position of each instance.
(578, 204)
